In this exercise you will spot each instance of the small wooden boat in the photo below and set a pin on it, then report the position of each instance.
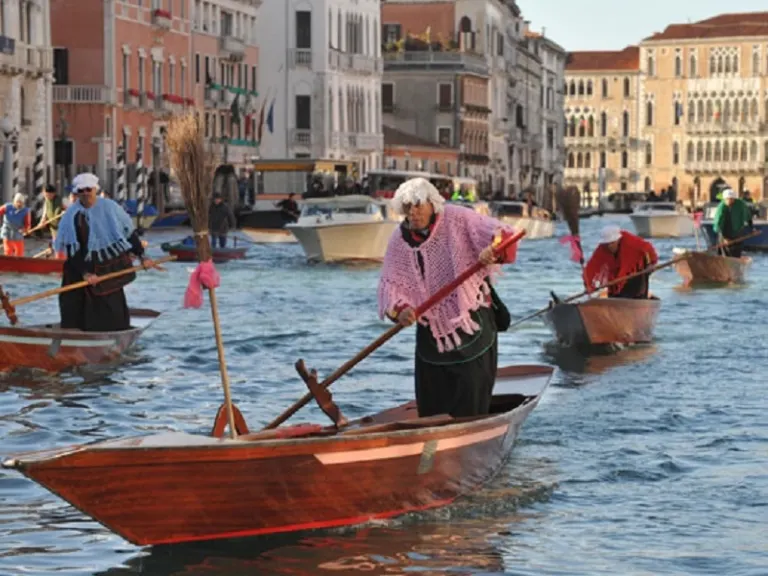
(26, 265)
(188, 253)
(177, 487)
(708, 267)
(48, 347)
(604, 321)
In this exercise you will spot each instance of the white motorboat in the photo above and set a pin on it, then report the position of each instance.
(537, 223)
(661, 220)
(264, 222)
(345, 228)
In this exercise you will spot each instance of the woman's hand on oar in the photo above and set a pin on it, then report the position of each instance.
(441, 294)
(90, 280)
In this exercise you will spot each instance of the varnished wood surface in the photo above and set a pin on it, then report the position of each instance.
(601, 321)
(708, 267)
(206, 488)
(49, 348)
(29, 265)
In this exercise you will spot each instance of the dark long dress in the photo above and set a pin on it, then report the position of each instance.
(82, 309)
(458, 382)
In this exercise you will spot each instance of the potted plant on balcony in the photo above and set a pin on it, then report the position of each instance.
(161, 18)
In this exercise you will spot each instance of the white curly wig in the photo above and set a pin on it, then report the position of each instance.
(417, 191)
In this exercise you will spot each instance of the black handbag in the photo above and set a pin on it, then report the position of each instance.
(500, 312)
(121, 262)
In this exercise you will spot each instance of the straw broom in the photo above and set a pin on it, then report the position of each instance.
(569, 202)
(194, 166)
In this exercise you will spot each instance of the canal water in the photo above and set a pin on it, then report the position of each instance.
(649, 461)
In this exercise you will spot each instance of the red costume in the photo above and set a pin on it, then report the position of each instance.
(633, 255)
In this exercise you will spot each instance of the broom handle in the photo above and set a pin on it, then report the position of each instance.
(84, 283)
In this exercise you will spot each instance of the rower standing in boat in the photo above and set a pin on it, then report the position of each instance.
(51, 211)
(289, 209)
(220, 220)
(456, 341)
(732, 218)
(17, 218)
(97, 236)
(620, 254)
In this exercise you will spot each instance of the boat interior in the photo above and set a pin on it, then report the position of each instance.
(140, 319)
(516, 386)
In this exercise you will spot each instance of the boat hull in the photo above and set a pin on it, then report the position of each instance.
(265, 226)
(711, 268)
(604, 321)
(662, 225)
(12, 264)
(757, 243)
(52, 349)
(270, 235)
(206, 488)
(345, 242)
(189, 254)
(534, 227)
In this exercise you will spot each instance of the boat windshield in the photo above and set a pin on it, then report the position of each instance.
(328, 209)
(508, 209)
(656, 207)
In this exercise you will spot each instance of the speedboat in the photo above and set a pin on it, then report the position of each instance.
(661, 220)
(537, 222)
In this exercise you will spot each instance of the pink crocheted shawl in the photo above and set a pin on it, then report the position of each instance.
(458, 237)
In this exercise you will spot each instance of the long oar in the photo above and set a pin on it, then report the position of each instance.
(10, 305)
(726, 243)
(368, 350)
(43, 225)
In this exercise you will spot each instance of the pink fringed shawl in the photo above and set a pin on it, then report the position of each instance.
(457, 239)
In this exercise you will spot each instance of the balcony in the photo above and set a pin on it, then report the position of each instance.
(300, 137)
(17, 58)
(727, 127)
(162, 19)
(234, 48)
(430, 60)
(717, 167)
(300, 58)
(83, 95)
(364, 142)
(580, 173)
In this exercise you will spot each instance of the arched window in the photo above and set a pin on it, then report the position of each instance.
(587, 160)
(591, 127)
(753, 151)
(700, 111)
(753, 111)
(589, 87)
(710, 111)
(726, 112)
(744, 111)
(743, 157)
(626, 88)
(690, 155)
(582, 127)
(717, 151)
(727, 67)
(712, 65)
(692, 66)
(720, 66)
(691, 112)
(735, 151)
(581, 87)
(648, 154)
(700, 152)
(678, 65)
(624, 159)
(675, 153)
(736, 114)
(726, 151)
(625, 124)
(756, 64)
(604, 84)
(651, 66)
(708, 154)
(570, 160)
(649, 113)
(572, 91)
(579, 160)
(736, 64)
(603, 124)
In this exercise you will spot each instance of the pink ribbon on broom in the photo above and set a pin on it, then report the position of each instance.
(204, 276)
(697, 218)
(575, 243)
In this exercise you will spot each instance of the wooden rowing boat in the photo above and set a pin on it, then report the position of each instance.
(188, 253)
(48, 347)
(604, 321)
(706, 267)
(26, 265)
(177, 487)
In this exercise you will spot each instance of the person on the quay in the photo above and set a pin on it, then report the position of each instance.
(618, 255)
(456, 341)
(98, 237)
(17, 219)
(221, 220)
(733, 219)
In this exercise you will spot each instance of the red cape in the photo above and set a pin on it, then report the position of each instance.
(634, 254)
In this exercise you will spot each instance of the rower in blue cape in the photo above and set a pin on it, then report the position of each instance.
(98, 237)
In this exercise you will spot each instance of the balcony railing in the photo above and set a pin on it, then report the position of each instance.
(232, 46)
(162, 18)
(724, 166)
(365, 142)
(17, 58)
(436, 60)
(300, 137)
(727, 127)
(300, 57)
(66, 94)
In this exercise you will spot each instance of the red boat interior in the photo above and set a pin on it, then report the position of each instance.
(403, 417)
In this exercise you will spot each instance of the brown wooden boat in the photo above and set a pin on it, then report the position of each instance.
(178, 487)
(24, 265)
(48, 347)
(706, 267)
(604, 321)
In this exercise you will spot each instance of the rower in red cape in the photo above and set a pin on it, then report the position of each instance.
(98, 237)
(456, 341)
(620, 254)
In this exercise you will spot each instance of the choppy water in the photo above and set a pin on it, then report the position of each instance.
(651, 461)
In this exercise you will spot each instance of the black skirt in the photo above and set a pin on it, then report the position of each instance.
(81, 309)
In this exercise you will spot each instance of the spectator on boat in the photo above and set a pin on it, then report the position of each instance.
(458, 195)
(732, 219)
(456, 341)
(17, 219)
(51, 210)
(619, 255)
(221, 220)
(98, 238)
(289, 208)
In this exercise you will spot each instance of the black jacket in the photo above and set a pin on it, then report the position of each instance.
(220, 219)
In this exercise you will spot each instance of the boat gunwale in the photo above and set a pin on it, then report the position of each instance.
(296, 225)
(44, 331)
(435, 432)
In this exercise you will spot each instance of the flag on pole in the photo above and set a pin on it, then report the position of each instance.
(260, 130)
(271, 117)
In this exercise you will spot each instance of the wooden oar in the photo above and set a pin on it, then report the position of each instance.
(44, 253)
(10, 305)
(43, 225)
(368, 350)
(726, 243)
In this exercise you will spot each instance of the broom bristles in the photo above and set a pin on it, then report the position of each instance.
(194, 165)
(569, 203)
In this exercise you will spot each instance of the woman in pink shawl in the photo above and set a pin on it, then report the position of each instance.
(456, 344)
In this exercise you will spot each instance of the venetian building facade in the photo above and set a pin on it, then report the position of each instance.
(704, 106)
(321, 77)
(604, 149)
(26, 75)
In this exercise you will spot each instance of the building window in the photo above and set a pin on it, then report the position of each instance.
(624, 159)
(649, 113)
(626, 88)
(623, 186)
(387, 97)
(589, 87)
(604, 84)
(253, 78)
(126, 73)
(445, 96)
(677, 111)
(648, 154)
(603, 124)
(755, 63)
(391, 33)
(581, 88)
(171, 78)
(141, 73)
(678, 65)
(625, 124)
(602, 159)
(303, 117)
(60, 65)
(303, 29)
(444, 136)
(183, 81)
(651, 64)
(197, 68)
(692, 71)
